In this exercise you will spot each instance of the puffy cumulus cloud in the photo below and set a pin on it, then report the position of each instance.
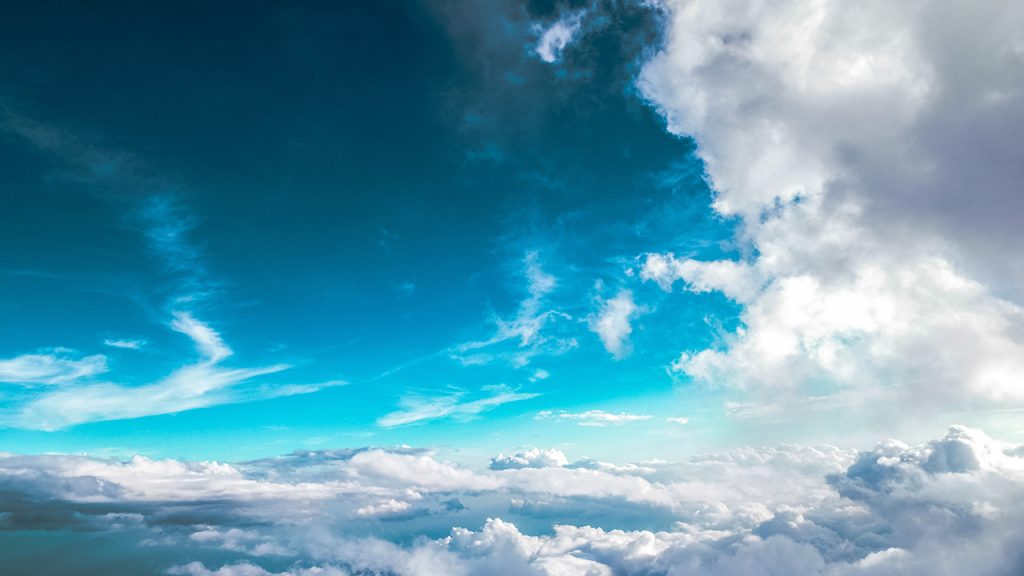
(532, 458)
(870, 153)
(557, 36)
(248, 569)
(613, 323)
(595, 418)
(950, 506)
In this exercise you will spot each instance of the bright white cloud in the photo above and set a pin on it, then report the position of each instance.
(556, 37)
(613, 323)
(532, 458)
(842, 136)
(596, 418)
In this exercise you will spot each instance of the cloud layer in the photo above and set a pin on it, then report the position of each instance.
(952, 505)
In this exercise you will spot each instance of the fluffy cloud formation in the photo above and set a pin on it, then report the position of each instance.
(952, 505)
(613, 323)
(532, 458)
(869, 152)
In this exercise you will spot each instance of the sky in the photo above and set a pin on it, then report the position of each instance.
(512, 287)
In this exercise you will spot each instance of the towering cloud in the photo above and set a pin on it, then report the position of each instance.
(866, 150)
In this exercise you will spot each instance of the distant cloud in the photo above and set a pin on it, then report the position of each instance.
(595, 418)
(51, 368)
(418, 408)
(125, 343)
(556, 37)
(612, 323)
(677, 420)
(951, 505)
(532, 458)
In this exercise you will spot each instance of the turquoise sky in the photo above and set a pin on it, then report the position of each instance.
(366, 217)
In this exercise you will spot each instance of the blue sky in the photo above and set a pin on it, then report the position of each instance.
(357, 211)
(512, 287)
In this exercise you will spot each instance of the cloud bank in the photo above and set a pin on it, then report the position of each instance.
(952, 505)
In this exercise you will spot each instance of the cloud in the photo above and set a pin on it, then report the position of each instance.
(677, 420)
(854, 145)
(951, 505)
(532, 458)
(419, 409)
(556, 37)
(612, 323)
(50, 369)
(529, 333)
(203, 383)
(596, 418)
(125, 343)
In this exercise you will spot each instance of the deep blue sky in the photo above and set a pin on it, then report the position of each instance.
(351, 189)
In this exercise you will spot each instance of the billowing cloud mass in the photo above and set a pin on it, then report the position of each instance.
(866, 150)
(949, 506)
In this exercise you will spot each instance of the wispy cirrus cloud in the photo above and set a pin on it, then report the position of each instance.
(518, 339)
(415, 408)
(594, 418)
(204, 382)
(125, 343)
(51, 368)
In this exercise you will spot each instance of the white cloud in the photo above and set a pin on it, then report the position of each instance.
(419, 408)
(529, 333)
(556, 37)
(596, 418)
(532, 458)
(865, 150)
(677, 420)
(612, 323)
(949, 506)
(734, 279)
(196, 385)
(54, 368)
(125, 343)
